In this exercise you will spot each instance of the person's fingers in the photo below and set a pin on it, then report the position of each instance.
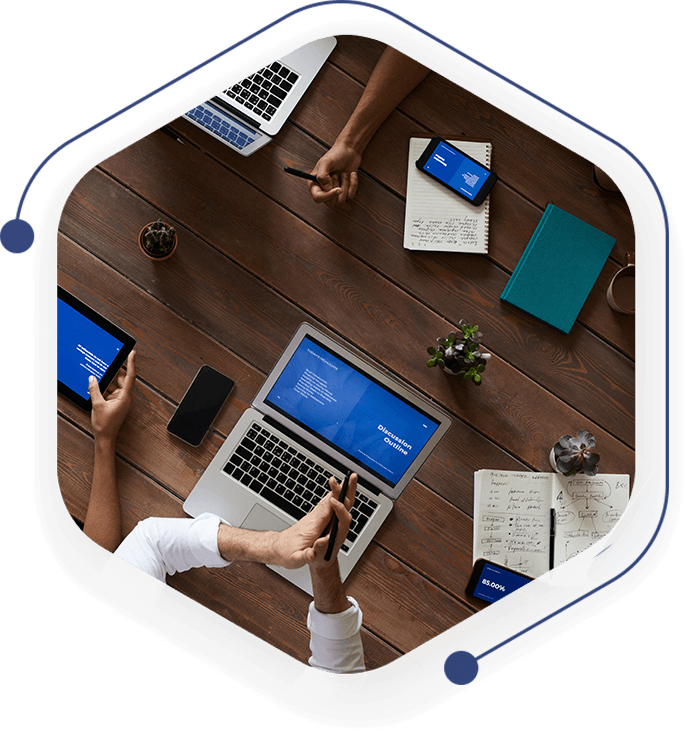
(353, 185)
(94, 390)
(129, 381)
(344, 186)
(320, 196)
(351, 491)
(323, 174)
(342, 513)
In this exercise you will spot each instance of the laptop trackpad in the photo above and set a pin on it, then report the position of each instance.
(260, 519)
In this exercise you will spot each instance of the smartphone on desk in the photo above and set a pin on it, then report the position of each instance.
(451, 167)
(200, 405)
(491, 581)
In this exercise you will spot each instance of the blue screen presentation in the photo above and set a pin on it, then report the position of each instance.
(83, 349)
(448, 165)
(495, 583)
(350, 411)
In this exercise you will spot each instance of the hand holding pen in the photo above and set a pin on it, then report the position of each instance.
(335, 180)
(340, 499)
(300, 173)
(335, 519)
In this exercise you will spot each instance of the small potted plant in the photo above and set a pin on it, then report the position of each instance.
(572, 455)
(458, 353)
(158, 240)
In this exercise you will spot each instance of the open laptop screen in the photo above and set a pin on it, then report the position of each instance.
(351, 411)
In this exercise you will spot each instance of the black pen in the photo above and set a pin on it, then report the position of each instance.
(301, 173)
(335, 520)
(552, 539)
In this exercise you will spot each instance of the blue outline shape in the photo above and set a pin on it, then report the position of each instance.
(651, 499)
(541, 100)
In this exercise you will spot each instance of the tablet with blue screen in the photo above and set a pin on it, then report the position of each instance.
(88, 344)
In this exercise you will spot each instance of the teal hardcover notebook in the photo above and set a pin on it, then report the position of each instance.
(558, 268)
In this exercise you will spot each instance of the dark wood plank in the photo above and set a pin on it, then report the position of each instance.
(437, 542)
(250, 596)
(256, 258)
(177, 466)
(385, 160)
(580, 368)
(528, 161)
(449, 469)
(348, 297)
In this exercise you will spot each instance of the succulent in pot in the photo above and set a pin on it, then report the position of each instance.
(158, 240)
(575, 454)
(458, 353)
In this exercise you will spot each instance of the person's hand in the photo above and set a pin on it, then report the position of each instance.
(108, 411)
(306, 541)
(337, 173)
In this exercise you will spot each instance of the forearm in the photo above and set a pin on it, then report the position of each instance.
(102, 522)
(328, 590)
(394, 77)
(241, 545)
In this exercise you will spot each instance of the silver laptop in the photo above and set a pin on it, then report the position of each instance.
(248, 114)
(324, 409)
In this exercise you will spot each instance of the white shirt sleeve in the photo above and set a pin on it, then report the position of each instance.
(335, 639)
(163, 546)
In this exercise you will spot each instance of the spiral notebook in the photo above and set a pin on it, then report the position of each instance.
(437, 219)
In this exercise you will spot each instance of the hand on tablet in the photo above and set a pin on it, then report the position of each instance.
(109, 410)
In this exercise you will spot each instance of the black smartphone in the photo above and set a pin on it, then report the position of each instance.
(200, 405)
(458, 172)
(491, 582)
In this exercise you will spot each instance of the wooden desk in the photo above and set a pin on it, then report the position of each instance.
(256, 257)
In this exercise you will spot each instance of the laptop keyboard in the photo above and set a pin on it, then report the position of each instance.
(285, 476)
(264, 91)
(222, 126)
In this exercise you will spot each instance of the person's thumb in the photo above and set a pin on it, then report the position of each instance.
(94, 390)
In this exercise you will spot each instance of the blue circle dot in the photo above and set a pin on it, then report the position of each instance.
(17, 236)
(461, 668)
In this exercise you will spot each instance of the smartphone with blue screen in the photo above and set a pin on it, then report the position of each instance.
(460, 173)
(491, 581)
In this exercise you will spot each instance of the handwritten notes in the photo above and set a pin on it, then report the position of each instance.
(512, 516)
(512, 519)
(437, 219)
(438, 234)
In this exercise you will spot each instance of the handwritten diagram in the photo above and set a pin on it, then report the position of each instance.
(587, 508)
(513, 512)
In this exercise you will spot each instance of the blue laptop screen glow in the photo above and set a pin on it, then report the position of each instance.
(350, 411)
(83, 349)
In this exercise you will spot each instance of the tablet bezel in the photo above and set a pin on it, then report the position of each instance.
(110, 328)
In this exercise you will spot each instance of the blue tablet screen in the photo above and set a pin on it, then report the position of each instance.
(83, 349)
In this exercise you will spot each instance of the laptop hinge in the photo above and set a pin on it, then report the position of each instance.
(235, 112)
(314, 450)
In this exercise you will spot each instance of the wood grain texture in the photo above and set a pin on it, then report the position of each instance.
(256, 258)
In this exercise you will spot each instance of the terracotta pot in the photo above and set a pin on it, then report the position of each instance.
(152, 256)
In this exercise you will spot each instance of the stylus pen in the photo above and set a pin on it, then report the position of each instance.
(300, 173)
(335, 520)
